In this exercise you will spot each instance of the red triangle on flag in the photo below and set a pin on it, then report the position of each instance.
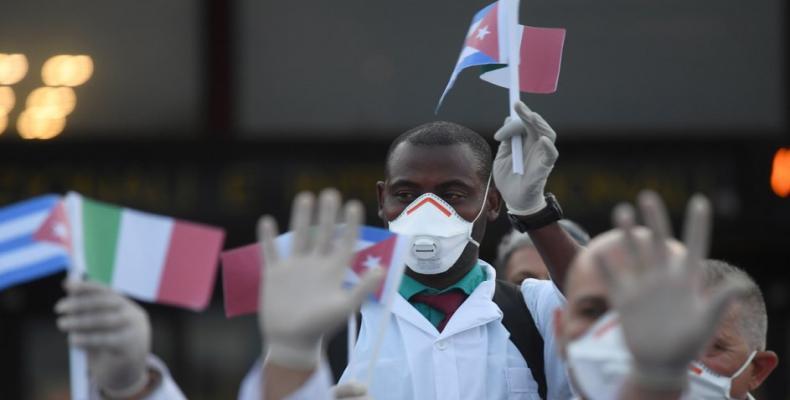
(55, 228)
(377, 255)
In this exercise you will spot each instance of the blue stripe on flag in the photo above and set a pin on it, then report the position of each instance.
(32, 206)
(474, 59)
(32, 271)
(371, 234)
(16, 243)
(482, 13)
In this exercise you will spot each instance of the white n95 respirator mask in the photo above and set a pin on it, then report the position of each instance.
(438, 234)
(600, 362)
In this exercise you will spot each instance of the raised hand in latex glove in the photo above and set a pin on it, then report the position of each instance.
(113, 330)
(302, 297)
(666, 316)
(523, 194)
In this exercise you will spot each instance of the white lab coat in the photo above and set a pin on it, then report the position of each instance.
(472, 358)
(167, 390)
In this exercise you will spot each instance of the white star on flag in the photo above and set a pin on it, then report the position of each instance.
(482, 32)
(372, 262)
(60, 231)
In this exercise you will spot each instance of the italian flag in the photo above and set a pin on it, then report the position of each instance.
(150, 257)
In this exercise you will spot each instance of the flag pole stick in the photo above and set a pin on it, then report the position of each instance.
(352, 337)
(78, 359)
(514, 59)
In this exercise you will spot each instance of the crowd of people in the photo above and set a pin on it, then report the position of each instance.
(630, 314)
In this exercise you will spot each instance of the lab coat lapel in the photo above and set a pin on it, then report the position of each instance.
(478, 309)
(405, 311)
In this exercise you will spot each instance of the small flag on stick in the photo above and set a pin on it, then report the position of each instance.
(241, 267)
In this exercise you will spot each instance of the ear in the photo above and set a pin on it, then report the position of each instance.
(763, 364)
(494, 203)
(380, 200)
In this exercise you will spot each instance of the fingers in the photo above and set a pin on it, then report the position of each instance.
(80, 287)
(354, 217)
(328, 206)
(656, 219)
(534, 120)
(547, 152)
(91, 322)
(512, 127)
(103, 340)
(301, 215)
(368, 284)
(624, 218)
(75, 304)
(267, 232)
(608, 274)
(696, 231)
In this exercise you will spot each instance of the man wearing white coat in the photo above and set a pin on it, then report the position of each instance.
(446, 338)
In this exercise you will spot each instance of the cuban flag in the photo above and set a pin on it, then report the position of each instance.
(376, 247)
(34, 240)
(486, 46)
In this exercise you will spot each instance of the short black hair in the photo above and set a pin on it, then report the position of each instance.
(443, 133)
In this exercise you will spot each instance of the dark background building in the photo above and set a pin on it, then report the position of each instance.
(221, 111)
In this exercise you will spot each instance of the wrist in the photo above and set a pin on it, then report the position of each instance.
(294, 355)
(550, 212)
(136, 389)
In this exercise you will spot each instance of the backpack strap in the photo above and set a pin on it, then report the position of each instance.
(523, 332)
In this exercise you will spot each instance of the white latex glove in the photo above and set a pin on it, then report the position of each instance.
(666, 316)
(523, 194)
(113, 330)
(351, 391)
(302, 298)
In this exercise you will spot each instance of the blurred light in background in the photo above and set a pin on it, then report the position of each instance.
(56, 102)
(780, 173)
(7, 99)
(36, 123)
(3, 120)
(13, 68)
(67, 70)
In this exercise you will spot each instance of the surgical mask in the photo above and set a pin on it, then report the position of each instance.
(599, 363)
(706, 384)
(438, 234)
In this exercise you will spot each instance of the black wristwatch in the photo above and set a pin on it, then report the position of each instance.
(551, 213)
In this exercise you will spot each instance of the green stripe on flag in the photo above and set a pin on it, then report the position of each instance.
(100, 223)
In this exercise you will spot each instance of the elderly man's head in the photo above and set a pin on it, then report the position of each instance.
(741, 331)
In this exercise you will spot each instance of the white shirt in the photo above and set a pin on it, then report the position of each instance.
(472, 358)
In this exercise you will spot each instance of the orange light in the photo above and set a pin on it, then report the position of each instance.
(780, 173)
(7, 98)
(3, 120)
(66, 70)
(55, 101)
(13, 68)
(39, 124)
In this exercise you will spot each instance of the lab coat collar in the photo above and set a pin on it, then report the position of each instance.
(478, 309)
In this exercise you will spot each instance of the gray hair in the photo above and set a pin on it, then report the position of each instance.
(754, 319)
(516, 240)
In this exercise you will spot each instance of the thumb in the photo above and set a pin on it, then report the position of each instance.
(367, 285)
